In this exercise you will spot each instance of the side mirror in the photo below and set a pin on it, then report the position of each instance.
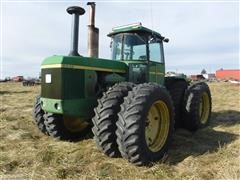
(154, 40)
(166, 40)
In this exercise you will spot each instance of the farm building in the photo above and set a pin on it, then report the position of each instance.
(228, 74)
(17, 79)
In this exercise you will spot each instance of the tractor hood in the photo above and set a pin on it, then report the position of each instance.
(84, 63)
(70, 84)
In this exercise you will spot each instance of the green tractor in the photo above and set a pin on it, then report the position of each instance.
(128, 102)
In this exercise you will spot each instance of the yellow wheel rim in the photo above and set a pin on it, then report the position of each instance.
(74, 124)
(204, 108)
(157, 126)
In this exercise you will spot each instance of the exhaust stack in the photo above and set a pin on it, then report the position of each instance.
(75, 11)
(93, 33)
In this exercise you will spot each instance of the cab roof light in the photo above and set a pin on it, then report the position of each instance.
(134, 25)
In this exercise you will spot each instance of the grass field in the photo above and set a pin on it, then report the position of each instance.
(25, 153)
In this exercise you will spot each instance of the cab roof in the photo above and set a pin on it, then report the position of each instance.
(137, 27)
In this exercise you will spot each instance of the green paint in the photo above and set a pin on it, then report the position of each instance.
(90, 78)
(75, 89)
(156, 72)
(160, 77)
(86, 62)
(53, 89)
(74, 107)
(65, 83)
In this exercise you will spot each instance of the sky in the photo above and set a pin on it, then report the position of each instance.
(203, 34)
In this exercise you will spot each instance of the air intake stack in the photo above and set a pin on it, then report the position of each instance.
(75, 11)
(93, 33)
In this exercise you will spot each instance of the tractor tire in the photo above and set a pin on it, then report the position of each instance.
(104, 121)
(38, 116)
(177, 91)
(198, 106)
(145, 125)
(65, 127)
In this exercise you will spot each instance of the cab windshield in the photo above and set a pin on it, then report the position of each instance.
(129, 47)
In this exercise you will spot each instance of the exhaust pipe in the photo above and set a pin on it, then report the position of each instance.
(93, 33)
(75, 11)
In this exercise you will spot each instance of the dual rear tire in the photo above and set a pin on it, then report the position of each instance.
(145, 124)
(141, 130)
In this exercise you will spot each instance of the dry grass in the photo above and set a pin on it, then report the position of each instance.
(210, 153)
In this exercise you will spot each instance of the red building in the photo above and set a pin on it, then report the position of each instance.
(228, 74)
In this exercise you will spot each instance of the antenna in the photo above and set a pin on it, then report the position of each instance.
(151, 15)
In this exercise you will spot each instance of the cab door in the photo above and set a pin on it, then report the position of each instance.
(156, 62)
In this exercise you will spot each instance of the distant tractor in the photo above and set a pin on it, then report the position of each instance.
(31, 82)
(129, 103)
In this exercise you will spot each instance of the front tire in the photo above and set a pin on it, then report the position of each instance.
(145, 124)
(38, 116)
(104, 121)
(66, 127)
(198, 106)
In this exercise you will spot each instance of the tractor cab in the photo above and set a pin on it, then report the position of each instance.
(140, 48)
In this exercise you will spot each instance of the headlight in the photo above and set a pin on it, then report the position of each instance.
(48, 78)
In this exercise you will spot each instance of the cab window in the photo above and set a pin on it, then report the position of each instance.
(129, 47)
(155, 52)
(117, 47)
(134, 48)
